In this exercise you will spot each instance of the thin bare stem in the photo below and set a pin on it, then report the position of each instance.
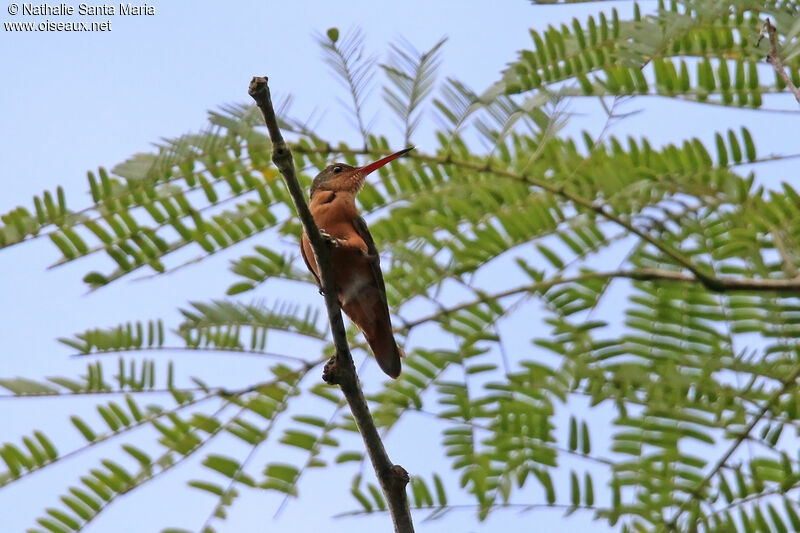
(340, 370)
(236, 477)
(107, 436)
(201, 349)
(150, 474)
(774, 58)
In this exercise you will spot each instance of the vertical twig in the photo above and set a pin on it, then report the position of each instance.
(774, 59)
(340, 370)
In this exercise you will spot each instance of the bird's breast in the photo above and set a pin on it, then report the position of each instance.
(333, 211)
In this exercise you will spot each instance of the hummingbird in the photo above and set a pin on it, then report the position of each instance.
(354, 257)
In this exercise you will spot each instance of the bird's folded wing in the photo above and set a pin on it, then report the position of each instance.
(308, 265)
(361, 228)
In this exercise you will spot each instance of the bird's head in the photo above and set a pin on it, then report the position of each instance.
(341, 177)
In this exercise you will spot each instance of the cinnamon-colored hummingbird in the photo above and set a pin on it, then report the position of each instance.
(355, 259)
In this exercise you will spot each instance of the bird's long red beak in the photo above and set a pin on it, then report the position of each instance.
(372, 167)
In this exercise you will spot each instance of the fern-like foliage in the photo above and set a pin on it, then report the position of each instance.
(354, 69)
(412, 74)
(594, 324)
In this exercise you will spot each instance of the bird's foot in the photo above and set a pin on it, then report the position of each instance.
(330, 239)
(322, 290)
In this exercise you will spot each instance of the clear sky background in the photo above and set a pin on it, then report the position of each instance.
(73, 101)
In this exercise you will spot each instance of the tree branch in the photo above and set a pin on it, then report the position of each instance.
(222, 350)
(774, 59)
(520, 507)
(786, 259)
(166, 462)
(340, 370)
(788, 383)
(560, 190)
(788, 286)
(229, 493)
(216, 392)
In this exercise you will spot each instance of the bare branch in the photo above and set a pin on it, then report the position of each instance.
(215, 350)
(774, 58)
(340, 370)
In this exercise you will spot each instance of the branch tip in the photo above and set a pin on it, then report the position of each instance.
(258, 86)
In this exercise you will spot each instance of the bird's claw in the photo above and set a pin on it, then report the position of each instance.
(330, 239)
(322, 290)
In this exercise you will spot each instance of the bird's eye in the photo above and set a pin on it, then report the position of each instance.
(337, 169)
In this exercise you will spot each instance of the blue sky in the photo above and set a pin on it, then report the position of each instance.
(74, 101)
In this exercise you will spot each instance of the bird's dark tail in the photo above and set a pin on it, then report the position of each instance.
(387, 353)
(370, 314)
